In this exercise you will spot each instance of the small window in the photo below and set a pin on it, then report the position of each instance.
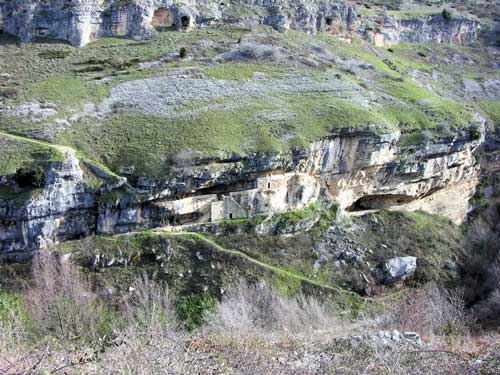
(230, 215)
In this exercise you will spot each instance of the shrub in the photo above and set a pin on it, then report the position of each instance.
(247, 309)
(253, 51)
(488, 310)
(30, 175)
(446, 13)
(182, 52)
(329, 21)
(475, 134)
(150, 306)
(431, 311)
(9, 92)
(481, 250)
(193, 308)
(62, 304)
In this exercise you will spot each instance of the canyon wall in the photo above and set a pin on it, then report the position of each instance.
(82, 21)
(360, 170)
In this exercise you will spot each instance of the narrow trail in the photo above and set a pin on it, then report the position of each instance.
(187, 234)
(64, 150)
(60, 148)
(269, 267)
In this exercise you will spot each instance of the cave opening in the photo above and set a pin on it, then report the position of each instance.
(379, 202)
(185, 20)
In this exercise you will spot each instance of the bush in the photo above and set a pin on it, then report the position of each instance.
(488, 310)
(62, 303)
(251, 51)
(446, 13)
(182, 52)
(248, 309)
(431, 311)
(30, 175)
(475, 134)
(193, 308)
(481, 266)
(150, 306)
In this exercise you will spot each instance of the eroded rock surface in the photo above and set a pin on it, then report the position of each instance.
(83, 21)
(360, 170)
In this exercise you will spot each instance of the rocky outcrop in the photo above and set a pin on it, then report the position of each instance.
(360, 169)
(63, 209)
(399, 269)
(364, 171)
(386, 31)
(83, 21)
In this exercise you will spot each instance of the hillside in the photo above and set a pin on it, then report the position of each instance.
(292, 162)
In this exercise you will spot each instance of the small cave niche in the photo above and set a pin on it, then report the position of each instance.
(379, 202)
(163, 20)
(185, 22)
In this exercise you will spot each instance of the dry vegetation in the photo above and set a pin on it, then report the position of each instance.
(60, 325)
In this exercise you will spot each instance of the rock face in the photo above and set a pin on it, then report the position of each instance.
(365, 171)
(359, 169)
(83, 21)
(430, 29)
(398, 269)
(64, 209)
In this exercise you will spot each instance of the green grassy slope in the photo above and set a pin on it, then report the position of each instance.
(376, 89)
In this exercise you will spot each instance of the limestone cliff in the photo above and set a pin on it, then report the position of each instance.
(388, 30)
(82, 21)
(360, 170)
(62, 209)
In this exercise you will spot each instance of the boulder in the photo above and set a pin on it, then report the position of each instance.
(399, 268)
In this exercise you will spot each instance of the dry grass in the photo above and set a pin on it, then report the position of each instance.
(253, 330)
(248, 310)
(62, 303)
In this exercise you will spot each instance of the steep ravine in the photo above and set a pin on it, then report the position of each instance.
(361, 170)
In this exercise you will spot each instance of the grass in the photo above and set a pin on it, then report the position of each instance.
(147, 144)
(289, 261)
(418, 109)
(18, 195)
(240, 72)
(12, 308)
(433, 239)
(17, 152)
(197, 262)
(150, 143)
(492, 110)
(67, 92)
(291, 218)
